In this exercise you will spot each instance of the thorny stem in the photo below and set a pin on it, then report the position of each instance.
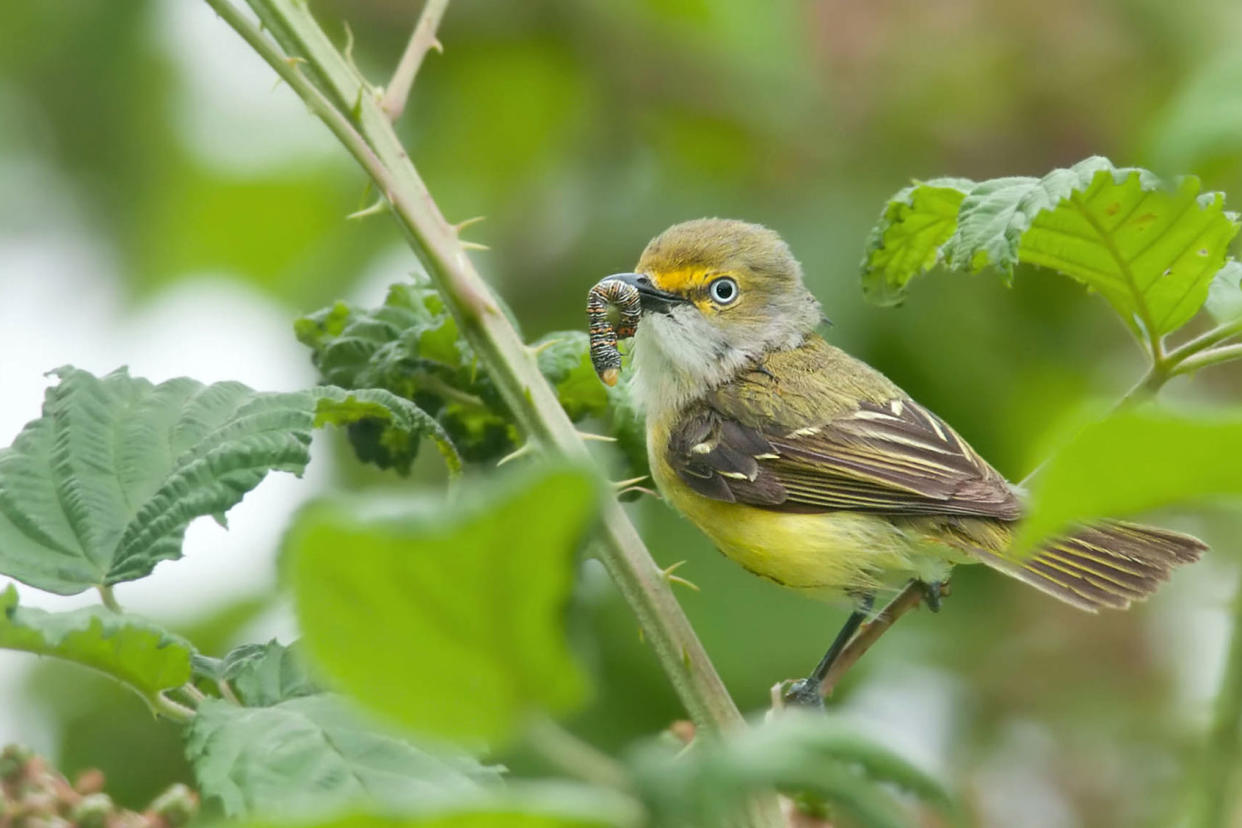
(332, 88)
(422, 41)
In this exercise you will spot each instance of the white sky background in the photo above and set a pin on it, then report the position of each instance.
(60, 304)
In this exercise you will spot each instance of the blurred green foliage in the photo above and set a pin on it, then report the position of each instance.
(583, 128)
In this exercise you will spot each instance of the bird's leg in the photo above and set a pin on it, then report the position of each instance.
(933, 593)
(806, 692)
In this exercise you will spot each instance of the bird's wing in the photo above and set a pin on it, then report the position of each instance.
(893, 457)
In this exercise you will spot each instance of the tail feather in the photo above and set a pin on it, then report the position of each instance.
(1107, 564)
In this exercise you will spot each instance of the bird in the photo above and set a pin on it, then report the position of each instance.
(812, 469)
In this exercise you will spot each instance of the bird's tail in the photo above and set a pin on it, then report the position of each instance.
(1106, 564)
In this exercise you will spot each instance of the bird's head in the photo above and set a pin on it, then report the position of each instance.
(716, 295)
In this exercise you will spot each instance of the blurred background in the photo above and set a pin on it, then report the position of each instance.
(165, 205)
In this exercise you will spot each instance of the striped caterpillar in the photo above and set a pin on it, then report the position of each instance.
(606, 293)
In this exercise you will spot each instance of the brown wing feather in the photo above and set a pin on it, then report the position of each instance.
(895, 458)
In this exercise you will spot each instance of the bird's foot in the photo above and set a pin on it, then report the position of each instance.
(933, 593)
(804, 693)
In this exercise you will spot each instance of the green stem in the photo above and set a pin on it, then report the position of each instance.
(1213, 793)
(171, 709)
(331, 87)
(1206, 340)
(576, 758)
(108, 598)
(1215, 356)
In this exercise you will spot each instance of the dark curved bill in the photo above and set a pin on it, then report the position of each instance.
(651, 297)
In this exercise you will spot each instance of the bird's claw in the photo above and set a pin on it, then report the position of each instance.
(804, 693)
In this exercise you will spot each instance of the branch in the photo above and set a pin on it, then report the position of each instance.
(422, 41)
(331, 87)
(906, 600)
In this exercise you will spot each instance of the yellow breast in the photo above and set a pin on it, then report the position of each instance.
(822, 554)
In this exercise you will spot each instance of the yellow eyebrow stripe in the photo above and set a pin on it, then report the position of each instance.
(682, 280)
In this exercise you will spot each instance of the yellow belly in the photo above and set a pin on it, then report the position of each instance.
(824, 555)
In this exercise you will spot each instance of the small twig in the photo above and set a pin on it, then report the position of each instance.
(422, 41)
(906, 600)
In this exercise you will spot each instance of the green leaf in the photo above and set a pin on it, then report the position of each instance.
(1224, 301)
(907, 239)
(411, 347)
(265, 674)
(395, 425)
(800, 754)
(449, 620)
(1148, 249)
(133, 650)
(307, 756)
(1133, 462)
(102, 487)
(519, 805)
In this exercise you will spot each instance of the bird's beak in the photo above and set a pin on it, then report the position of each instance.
(651, 297)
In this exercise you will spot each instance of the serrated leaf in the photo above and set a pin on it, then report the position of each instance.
(907, 239)
(797, 753)
(266, 674)
(1224, 301)
(411, 347)
(313, 755)
(1130, 463)
(450, 620)
(133, 650)
(1148, 249)
(102, 487)
(396, 424)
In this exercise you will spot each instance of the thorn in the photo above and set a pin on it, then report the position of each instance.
(640, 490)
(295, 61)
(348, 51)
(536, 350)
(624, 484)
(378, 207)
(524, 449)
(437, 45)
(667, 574)
(469, 245)
(602, 438)
(470, 222)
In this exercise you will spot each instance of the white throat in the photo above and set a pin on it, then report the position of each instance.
(679, 357)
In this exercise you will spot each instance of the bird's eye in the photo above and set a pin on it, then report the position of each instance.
(723, 290)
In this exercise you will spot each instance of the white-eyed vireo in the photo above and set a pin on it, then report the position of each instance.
(812, 469)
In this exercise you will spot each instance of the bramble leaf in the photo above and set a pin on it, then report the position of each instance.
(411, 346)
(1132, 462)
(313, 755)
(266, 674)
(1150, 250)
(906, 241)
(102, 487)
(800, 754)
(1224, 299)
(461, 633)
(135, 651)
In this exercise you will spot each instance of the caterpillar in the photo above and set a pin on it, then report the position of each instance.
(606, 293)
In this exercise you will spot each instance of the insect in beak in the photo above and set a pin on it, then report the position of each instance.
(653, 300)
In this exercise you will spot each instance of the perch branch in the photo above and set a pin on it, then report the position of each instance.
(308, 62)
